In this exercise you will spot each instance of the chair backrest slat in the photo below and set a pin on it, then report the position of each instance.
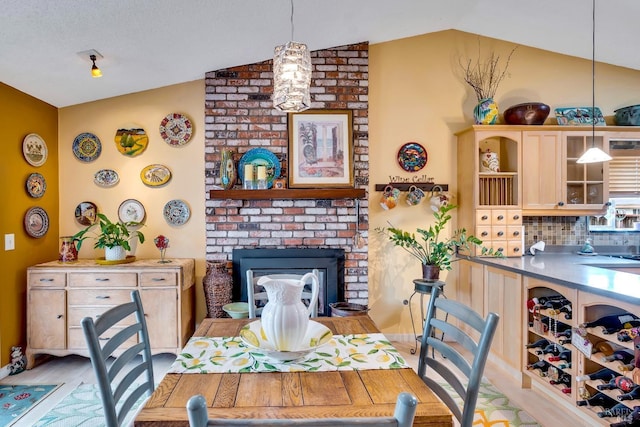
(462, 371)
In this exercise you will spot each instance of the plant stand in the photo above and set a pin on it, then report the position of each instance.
(422, 287)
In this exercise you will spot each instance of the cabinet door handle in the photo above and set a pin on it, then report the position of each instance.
(101, 279)
(158, 279)
(103, 297)
(516, 249)
(560, 203)
(59, 316)
(500, 217)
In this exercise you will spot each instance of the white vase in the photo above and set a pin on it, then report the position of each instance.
(115, 253)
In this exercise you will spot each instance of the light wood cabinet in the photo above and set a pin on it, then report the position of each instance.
(542, 151)
(60, 295)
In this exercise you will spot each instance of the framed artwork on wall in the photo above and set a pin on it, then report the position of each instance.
(320, 149)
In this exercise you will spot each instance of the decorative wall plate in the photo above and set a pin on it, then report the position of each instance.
(155, 175)
(87, 147)
(106, 178)
(86, 213)
(131, 141)
(34, 149)
(260, 157)
(176, 129)
(131, 210)
(36, 185)
(176, 212)
(412, 157)
(36, 222)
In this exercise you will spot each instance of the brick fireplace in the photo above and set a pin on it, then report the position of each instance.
(239, 115)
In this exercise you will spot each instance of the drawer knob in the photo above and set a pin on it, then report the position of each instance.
(103, 297)
(59, 316)
(500, 217)
(560, 203)
(516, 249)
(484, 234)
(484, 217)
(44, 279)
(516, 233)
(158, 279)
(516, 217)
(500, 233)
(500, 249)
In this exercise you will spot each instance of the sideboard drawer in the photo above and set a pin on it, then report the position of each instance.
(98, 296)
(103, 279)
(75, 316)
(76, 337)
(158, 279)
(47, 279)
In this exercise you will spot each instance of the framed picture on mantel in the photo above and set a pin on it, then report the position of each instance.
(320, 149)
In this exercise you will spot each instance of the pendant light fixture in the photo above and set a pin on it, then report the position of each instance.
(593, 154)
(291, 75)
(95, 71)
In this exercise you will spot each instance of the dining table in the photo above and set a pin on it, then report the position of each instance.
(357, 374)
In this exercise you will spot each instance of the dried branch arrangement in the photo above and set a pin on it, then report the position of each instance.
(485, 76)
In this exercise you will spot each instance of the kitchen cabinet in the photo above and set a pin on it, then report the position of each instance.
(60, 295)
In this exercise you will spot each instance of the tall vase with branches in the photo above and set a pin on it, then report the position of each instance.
(484, 77)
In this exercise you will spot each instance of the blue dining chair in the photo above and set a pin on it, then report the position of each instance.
(405, 411)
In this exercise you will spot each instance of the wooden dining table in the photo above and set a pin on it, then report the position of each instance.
(348, 393)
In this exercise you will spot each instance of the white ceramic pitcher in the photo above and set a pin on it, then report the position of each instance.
(285, 317)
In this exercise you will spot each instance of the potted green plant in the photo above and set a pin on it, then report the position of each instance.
(432, 250)
(114, 237)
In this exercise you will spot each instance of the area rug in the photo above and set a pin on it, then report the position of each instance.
(81, 408)
(17, 400)
(496, 406)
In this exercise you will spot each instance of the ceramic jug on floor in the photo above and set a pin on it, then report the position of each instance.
(285, 317)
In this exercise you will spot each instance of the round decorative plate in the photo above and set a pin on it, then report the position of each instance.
(36, 185)
(252, 335)
(86, 213)
(131, 141)
(87, 147)
(106, 178)
(131, 210)
(176, 212)
(261, 157)
(155, 175)
(36, 222)
(412, 157)
(34, 149)
(176, 129)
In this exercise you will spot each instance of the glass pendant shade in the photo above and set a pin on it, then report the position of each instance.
(594, 155)
(95, 71)
(291, 77)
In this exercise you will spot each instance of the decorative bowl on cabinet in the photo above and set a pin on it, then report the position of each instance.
(528, 113)
(627, 116)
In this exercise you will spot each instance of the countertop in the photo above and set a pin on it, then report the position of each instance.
(595, 274)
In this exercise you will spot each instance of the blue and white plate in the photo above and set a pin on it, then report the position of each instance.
(106, 178)
(87, 147)
(261, 157)
(176, 212)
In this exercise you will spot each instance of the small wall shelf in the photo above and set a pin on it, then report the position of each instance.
(289, 193)
(424, 186)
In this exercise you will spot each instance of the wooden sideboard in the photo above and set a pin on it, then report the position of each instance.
(59, 295)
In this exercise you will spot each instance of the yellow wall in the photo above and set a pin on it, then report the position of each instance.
(21, 115)
(417, 94)
(145, 109)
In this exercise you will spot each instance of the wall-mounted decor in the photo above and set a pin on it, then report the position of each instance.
(106, 178)
(131, 141)
(320, 149)
(86, 213)
(176, 129)
(87, 147)
(412, 157)
(132, 210)
(260, 157)
(176, 212)
(34, 149)
(36, 222)
(155, 175)
(36, 185)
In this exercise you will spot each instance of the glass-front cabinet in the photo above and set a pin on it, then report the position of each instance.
(585, 185)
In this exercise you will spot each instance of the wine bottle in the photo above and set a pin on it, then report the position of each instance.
(618, 410)
(566, 390)
(541, 365)
(627, 367)
(566, 309)
(604, 374)
(543, 342)
(632, 419)
(613, 323)
(564, 332)
(564, 378)
(564, 341)
(603, 347)
(598, 399)
(564, 365)
(564, 355)
(623, 383)
(553, 349)
(625, 356)
(632, 395)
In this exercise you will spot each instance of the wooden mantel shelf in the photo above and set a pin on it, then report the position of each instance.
(289, 193)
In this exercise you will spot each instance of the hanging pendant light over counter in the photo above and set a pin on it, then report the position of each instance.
(291, 75)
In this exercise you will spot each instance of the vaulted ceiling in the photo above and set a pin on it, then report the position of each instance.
(153, 43)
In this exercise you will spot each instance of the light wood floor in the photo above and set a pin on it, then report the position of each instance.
(73, 370)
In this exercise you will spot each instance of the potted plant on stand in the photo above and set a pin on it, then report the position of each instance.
(435, 252)
(114, 237)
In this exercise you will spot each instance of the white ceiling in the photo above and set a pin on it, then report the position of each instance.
(153, 43)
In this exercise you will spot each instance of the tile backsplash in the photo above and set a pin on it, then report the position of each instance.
(572, 230)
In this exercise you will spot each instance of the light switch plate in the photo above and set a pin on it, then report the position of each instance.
(9, 242)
